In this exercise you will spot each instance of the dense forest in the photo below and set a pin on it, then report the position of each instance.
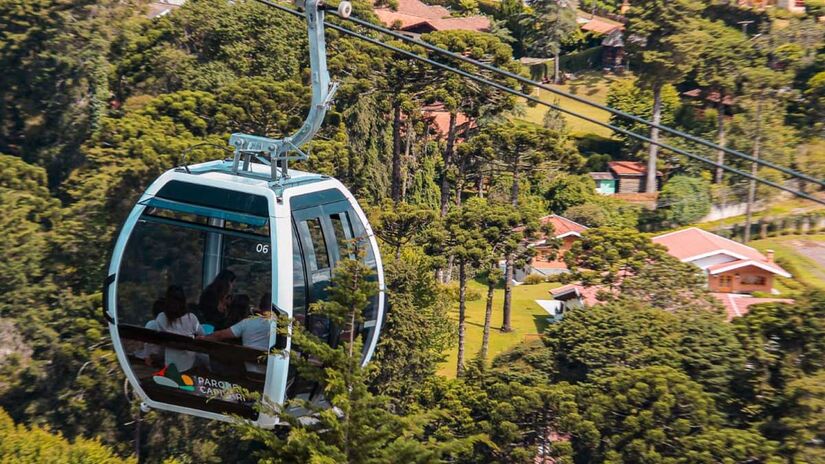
(97, 100)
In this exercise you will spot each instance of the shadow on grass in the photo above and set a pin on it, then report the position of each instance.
(541, 321)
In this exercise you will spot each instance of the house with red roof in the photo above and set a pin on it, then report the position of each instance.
(731, 267)
(622, 177)
(415, 17)
(546, 262)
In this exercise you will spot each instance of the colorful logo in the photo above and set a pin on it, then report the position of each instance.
(169, 376)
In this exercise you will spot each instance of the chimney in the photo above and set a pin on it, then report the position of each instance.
(769, 255)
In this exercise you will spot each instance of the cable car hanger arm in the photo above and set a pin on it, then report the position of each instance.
(323, 91)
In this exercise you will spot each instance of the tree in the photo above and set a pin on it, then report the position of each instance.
(760, 128)
(401, 224)
(417, 329)
(665, 54)
(24, 445)
(461, 237)
(504, 229)
(610, 336)
(657, 414)
(548, 23)
(630, 96)
(605, 211)
(804, 418)
(784, 342)
(566, 191)
(356, 426)
(684, 200)
(521, 151)
(460, 96)
(724, 52)
(609, 255)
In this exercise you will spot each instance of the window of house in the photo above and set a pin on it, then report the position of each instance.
(749, 279)
(725, 281)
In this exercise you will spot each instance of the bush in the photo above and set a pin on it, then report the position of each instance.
(605, 211)
(684, 200)
(566, 191)
(534, 279)
(20, 444)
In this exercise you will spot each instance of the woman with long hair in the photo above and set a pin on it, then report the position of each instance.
(177, 319)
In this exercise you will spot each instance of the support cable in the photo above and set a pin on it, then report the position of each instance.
(579, 99)
(503, 88)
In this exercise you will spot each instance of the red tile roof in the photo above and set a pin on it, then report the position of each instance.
(439, 118)
(563, 226)
(414, 13)
(629, 168)
(598, 24)
(739, 305)
(691, 244)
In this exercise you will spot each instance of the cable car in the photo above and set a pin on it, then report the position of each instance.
(206, 242)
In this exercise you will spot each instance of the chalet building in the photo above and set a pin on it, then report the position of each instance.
(627, 177)
(415, 18)
(544, 263)
(731, 267)
(734, 271)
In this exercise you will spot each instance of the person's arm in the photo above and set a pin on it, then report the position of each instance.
(220, 335)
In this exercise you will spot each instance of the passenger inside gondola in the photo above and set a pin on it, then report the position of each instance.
(177, 319)
(213, 303)
(253, 331)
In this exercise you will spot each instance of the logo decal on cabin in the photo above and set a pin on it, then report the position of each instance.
(170, 377)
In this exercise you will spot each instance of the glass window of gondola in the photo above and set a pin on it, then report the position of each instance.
(188, 270)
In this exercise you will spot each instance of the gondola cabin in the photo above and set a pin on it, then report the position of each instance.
(209, 248)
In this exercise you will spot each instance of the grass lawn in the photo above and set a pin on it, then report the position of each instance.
(592, 85)
(802, 255)
(527, 318)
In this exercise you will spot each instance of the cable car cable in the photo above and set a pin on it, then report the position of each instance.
(531, 98)
(579, 99)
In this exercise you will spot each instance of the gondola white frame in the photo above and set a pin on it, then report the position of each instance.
(255, 181)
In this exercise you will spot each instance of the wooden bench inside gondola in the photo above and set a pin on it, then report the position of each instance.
(220, 383)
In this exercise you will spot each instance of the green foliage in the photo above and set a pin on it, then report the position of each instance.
(534, 279)
(24, 445)
(629, 96)
(548, 23)
(357, 426)
(417, 330)
(667, 53)
(684, 200)
(566, 191)
(658, 415)
(605, 211)
(784, 342)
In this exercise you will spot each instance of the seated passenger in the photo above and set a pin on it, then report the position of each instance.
(213, 303)
(253, 332)
(227, 276)
(177, 319)
(239, 309)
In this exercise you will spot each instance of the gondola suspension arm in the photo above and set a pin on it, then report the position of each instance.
(277, 151)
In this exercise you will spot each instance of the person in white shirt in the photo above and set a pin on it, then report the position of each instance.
(253, 331)
(177, 319)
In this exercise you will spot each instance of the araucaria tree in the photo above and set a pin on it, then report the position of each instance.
(547, 24)
(357, 426)
(521, 151)
(661, 54)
